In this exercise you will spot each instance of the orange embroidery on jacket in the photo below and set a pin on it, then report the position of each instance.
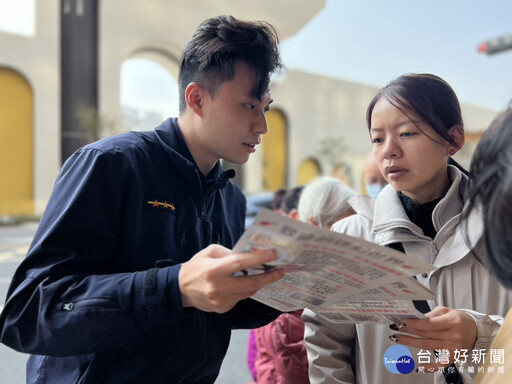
(155, 203)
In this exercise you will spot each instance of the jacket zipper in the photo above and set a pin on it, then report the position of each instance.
(433, 249)
(210, 191)
(84, 304)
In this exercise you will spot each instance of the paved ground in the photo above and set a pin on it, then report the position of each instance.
(14, 243)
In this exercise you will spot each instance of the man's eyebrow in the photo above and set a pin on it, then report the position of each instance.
(258, 97)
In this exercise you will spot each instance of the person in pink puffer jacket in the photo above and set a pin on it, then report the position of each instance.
(282, 357)
(282, 354)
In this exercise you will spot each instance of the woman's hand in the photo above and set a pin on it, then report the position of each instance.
(445, 328)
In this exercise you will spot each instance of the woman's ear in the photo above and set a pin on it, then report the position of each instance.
(457, 134)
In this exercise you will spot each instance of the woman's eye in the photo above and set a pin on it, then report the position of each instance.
(408, 134)
(376, 140)
(250, 106)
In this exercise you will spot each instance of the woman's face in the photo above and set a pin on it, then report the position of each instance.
(410, 161)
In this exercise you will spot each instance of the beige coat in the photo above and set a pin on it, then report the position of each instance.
(340, 353)
(497, 370)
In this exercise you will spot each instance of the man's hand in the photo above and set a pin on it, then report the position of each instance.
(207, 282)
(445, 328)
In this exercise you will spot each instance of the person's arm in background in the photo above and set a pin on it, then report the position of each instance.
(330, 349)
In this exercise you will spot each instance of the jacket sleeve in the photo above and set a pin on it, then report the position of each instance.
(487, 327)
(66, 298)
(330, 350)
(281, 352)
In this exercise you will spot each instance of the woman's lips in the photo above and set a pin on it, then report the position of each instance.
(395, 173)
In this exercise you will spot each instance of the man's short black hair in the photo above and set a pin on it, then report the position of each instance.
(291, 199)
(209, 58)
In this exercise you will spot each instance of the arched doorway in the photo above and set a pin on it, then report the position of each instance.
(309, 170)
(16, 144)
(149, 92)
(274, 150)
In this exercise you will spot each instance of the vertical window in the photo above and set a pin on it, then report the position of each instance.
(274, 151)
(149, 94)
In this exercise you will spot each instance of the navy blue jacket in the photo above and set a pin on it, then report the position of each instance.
(97, 299)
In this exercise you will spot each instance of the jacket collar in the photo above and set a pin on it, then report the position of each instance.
(391, 223)
(390, 213)
(173, 142)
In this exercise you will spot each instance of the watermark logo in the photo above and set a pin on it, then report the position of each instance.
(398, 359)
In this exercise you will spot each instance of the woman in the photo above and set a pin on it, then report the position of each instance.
(416, 126)
(491, 190)
(282, 355)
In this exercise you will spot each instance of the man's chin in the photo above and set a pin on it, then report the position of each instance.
(237, 160)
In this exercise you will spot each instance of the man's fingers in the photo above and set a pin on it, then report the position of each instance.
(245, 286)
(236, 262)
(208, 282)
(264, 279)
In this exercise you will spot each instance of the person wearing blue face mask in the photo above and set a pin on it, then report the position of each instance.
(374, 181)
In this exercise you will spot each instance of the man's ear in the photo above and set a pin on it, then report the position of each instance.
(294, 214)
(457, 134)
(194, 95)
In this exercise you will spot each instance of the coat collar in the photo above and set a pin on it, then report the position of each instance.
(390, 213)
(174, 144)
(391, 223)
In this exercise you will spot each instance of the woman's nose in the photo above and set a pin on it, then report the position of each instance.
(391, 149)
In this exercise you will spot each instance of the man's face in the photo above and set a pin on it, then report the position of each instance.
(233, 119)
(372, 173)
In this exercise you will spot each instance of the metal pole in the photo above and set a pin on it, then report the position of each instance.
(79, 71)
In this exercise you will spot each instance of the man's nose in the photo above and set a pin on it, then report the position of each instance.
(260, 125)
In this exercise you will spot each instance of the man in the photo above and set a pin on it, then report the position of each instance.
(121, 283)
(374, 181)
